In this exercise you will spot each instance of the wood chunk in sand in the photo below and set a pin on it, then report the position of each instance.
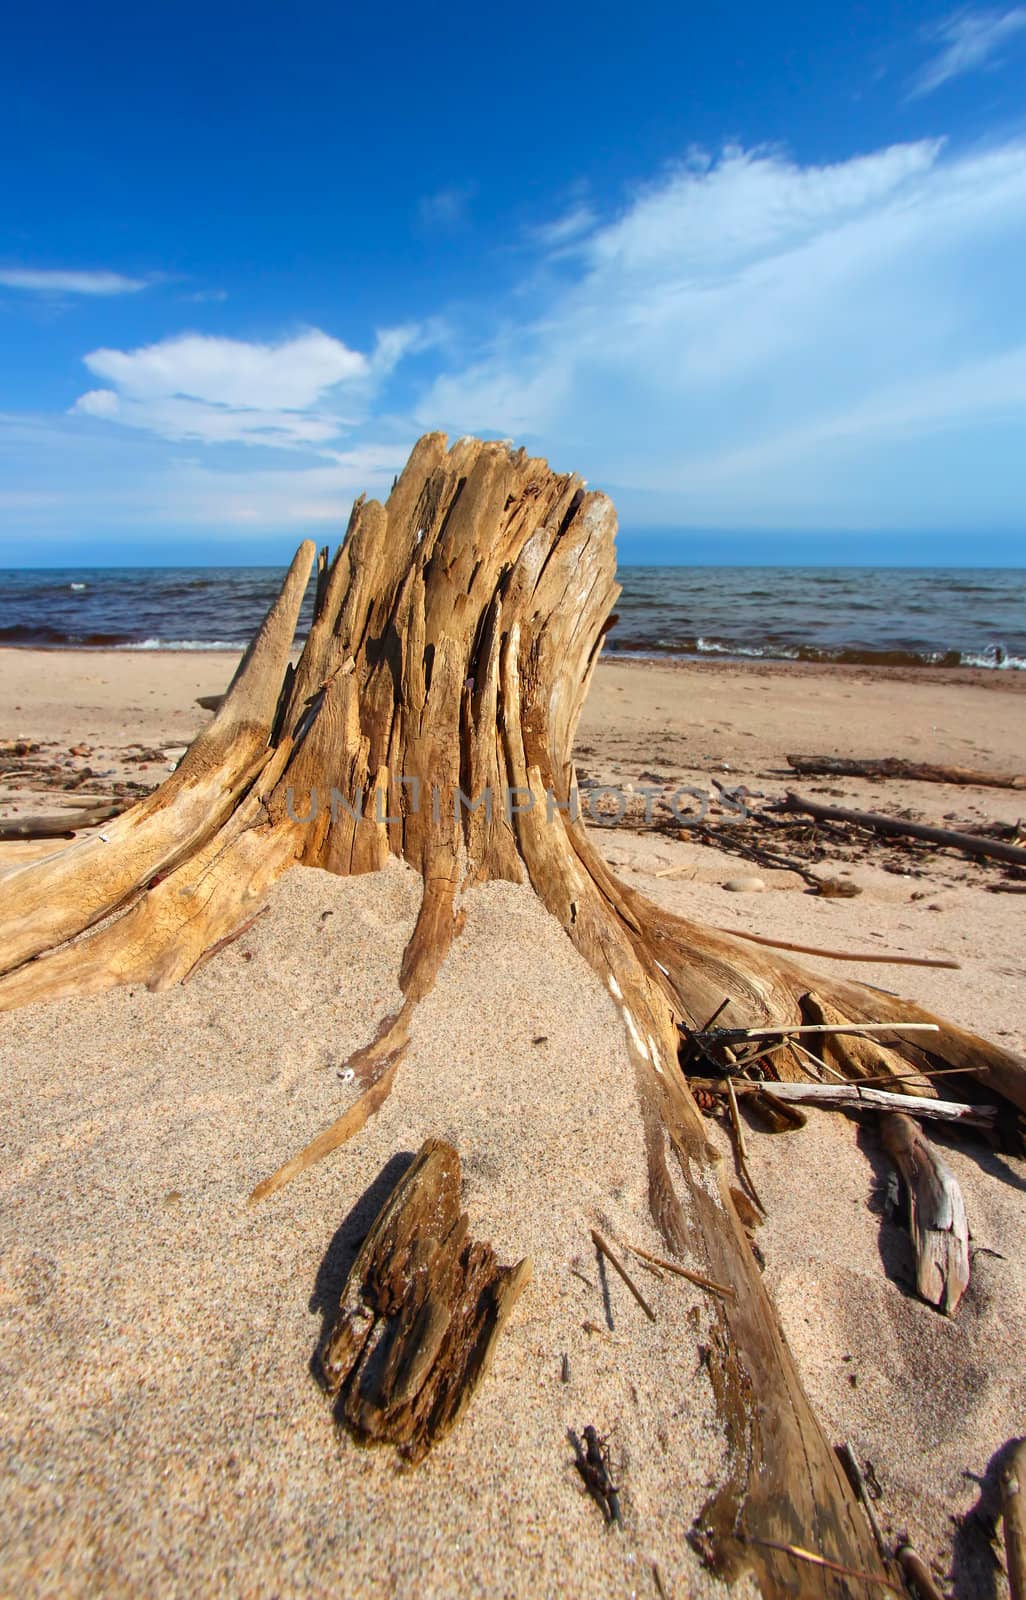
(419, 1314)
(940, 1231)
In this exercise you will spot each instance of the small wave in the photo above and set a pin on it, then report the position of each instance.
(76, 585)
(993, 658)
(180, 644)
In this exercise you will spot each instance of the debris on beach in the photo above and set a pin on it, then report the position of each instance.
(591, 1458)
(419, 1314)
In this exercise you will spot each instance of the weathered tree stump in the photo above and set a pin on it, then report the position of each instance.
(454, 638)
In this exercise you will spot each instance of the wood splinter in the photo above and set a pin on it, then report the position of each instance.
(420, 1312)
(940, 1231)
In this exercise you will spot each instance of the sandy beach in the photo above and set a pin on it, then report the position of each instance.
(160, 1429)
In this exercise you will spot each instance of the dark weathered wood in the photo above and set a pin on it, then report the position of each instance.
(896, 827)
(895, 767)
(419, 1314)
(1013, 1508)
(940, 1232)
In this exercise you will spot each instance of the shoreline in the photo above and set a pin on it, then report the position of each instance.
(1010, 677)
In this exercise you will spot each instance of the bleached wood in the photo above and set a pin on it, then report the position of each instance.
(940, 1231)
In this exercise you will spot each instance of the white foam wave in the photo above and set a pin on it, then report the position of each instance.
(180, 644)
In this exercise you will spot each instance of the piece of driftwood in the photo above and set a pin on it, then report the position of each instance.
(853, 1097)
(591, 1458)
(940, 1231)
(60, 825)
(879, 958)
(895, 767)
(850, 1463)
(419, 1314)
(604, 1248)
(971, 843)
(1013, 1509)
(697, 1278)
(788, 1031)
(454, 636)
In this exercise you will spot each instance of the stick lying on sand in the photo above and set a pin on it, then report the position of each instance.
(895, 767)
(972, 844)
(62, 825)
(606, 1249)
(850, 1097)
(742, 1035)
(843, 955)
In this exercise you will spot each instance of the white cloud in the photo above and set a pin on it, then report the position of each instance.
(565, 230)
(229, 391)
(40, 281)
(751, 339)
(967, 40)
(231, 372)
(291, 498)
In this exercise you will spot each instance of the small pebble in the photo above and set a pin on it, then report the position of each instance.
(745, 885)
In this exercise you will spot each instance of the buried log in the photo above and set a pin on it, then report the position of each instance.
(431, 716)
(895, 767)
(896, 827)
(940, 1232)
(420, 1312)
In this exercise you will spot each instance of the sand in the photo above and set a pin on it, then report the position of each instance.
(160, 1430)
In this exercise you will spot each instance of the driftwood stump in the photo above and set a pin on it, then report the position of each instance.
(454, 637)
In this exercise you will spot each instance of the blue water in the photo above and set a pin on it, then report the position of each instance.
(916, 615)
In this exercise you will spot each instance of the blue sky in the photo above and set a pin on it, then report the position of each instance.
(757, 271)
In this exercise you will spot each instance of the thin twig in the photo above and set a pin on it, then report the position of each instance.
(728, 1035)
(222, 944)
(683, 1272)
(796, 1044)
(742, 1148)
(874, 956)
(851, 1466)
(605, 1249)
(815, 1560)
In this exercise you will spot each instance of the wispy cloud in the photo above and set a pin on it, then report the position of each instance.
(447, 209)
(964, 42)
(564, 230)
(301, 392)
(38, 280)
(755, 341)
